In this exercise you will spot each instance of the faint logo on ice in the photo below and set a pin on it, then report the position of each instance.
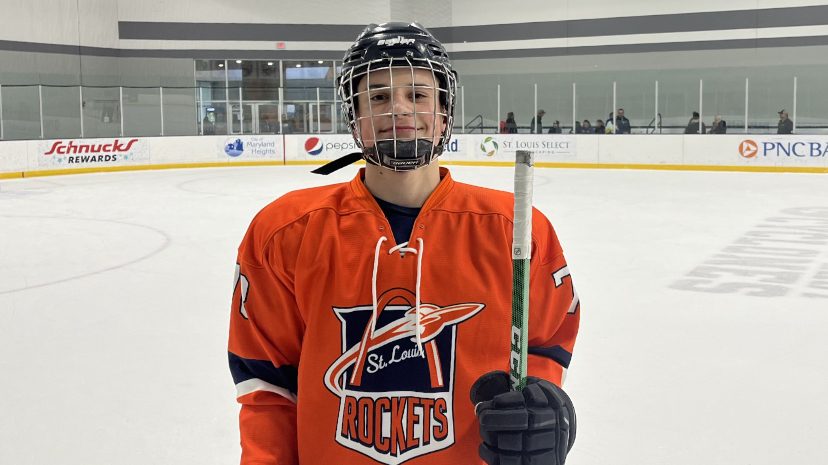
(784, 255)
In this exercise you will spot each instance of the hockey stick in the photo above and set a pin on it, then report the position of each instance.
(521, 251)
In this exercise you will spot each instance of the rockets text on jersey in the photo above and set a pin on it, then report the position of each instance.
(395, 394)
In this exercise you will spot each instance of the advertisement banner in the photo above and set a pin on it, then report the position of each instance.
(808, 151)
(502, 147)
(461, 147)
(318, 147)
(86, 153)
(251, 148)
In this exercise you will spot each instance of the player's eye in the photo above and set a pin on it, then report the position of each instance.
(377, 98)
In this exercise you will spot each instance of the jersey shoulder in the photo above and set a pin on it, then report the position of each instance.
(485, 201)
(288, 215)
(298, 203)
(480, 200)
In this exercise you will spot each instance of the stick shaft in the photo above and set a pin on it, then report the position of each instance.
(521, 251)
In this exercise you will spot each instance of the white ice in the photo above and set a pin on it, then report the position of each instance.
(115, 289)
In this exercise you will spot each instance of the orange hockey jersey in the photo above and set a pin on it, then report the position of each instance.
(347, 348)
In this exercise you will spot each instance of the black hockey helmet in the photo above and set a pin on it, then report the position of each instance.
(383, 46)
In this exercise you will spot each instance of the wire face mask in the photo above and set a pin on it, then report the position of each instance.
(398, 94)
(399, 107)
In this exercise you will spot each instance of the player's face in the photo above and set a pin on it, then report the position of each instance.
(409, 109)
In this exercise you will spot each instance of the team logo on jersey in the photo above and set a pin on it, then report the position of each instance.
(396, 397)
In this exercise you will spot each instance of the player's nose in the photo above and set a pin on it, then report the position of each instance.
(402, 104)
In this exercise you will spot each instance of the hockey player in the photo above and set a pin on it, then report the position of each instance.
(366, 314)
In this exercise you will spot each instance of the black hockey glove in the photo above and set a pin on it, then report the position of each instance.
(535, 426)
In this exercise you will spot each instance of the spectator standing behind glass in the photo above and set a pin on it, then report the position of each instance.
(693, 125)
(578, 129)
(785, 124)
(220, 122)
(536, 126)
(719, 125)
(586, 127)
(622, 124)
(599, 127)
(509, 126)
(555, 128)
(209, 124)
(286, 127)
(269, 126)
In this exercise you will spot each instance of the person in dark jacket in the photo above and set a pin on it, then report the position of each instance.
(719, 126)
(785, 124)
(599, 127)
(622, 124)
(555, 128)
(536, 126)
(693, 125)
(511, 126)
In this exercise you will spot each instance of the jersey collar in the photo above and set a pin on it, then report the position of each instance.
(364, 195)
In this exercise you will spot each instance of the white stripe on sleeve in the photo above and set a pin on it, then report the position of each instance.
(255, 384)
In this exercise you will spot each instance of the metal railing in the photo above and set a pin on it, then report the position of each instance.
(476, 124)
(45, 111)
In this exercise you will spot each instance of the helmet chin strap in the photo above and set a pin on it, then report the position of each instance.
(339, 163)
(405, 155)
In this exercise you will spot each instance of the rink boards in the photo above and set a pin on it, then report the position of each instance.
(680, 152)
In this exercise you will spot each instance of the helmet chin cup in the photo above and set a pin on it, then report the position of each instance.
(402, 155)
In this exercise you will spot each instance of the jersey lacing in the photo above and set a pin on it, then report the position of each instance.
(402, 249)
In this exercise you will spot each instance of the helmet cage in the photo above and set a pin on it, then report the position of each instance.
(389, 151)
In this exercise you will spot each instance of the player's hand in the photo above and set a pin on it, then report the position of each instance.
(535, 426)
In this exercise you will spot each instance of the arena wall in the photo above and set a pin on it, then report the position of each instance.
(677, 152)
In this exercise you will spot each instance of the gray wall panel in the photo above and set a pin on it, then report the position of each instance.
(652, 24)
(231, 32)
(93, 42)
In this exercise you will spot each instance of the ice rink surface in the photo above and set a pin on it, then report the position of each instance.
(115, 291)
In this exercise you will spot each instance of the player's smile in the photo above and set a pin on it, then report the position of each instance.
(402, 131)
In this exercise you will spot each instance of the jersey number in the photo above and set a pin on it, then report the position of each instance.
(559, 277)
(241, 285)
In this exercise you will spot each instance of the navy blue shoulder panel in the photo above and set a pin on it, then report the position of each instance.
(557, 353)
(242, 369)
